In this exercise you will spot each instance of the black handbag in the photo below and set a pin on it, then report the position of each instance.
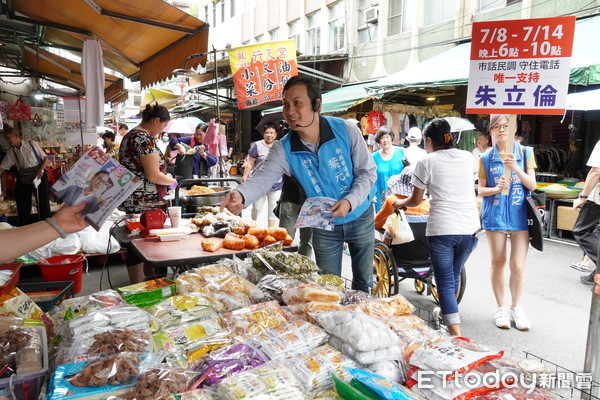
(536, 215)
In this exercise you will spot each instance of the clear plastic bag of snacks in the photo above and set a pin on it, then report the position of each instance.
(256, 318)
(230, 360)
(271, 381)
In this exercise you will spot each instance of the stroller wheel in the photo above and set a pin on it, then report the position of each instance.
(419, 286)
(462, 285)
(385, 274)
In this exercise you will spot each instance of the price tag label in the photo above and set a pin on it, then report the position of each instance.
(520, 66)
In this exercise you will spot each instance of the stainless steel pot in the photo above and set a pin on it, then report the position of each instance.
(207, 199)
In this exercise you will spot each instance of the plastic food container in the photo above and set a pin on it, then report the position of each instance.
(28, 386)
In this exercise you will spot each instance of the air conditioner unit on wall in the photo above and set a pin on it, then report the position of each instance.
(371, 15)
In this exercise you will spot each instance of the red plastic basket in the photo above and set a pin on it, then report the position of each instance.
(63, 268)
(10, 285)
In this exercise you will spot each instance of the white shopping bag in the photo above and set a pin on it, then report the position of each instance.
(397, 227)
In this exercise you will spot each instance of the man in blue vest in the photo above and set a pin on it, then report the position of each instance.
(328, 157)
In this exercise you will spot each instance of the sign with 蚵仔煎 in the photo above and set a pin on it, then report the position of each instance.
(520, 66)
(261, 70)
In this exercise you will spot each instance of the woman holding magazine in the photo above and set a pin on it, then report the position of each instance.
(139, 154)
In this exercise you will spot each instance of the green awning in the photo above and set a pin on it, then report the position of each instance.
(451, 67)
(340, 99)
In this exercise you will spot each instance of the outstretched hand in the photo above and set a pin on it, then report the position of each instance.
(340, 208)
(69, 220)
(234, 202)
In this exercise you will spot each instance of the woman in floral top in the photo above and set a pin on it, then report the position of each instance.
(139, 154)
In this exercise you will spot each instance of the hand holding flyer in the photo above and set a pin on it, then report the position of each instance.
(99, 181)
(314, 214)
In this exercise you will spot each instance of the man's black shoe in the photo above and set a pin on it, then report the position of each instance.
(586, 280)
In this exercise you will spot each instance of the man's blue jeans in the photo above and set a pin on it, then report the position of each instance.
(360, 236)
(448, 256)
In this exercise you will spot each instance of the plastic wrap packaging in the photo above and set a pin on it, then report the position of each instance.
(289, 265)
(275, 285)
(29, 357)
(182, 309)
(413, 331)
(271, 381)
(357, 329)
(183, 340)
(243, 268)
(117, 369)
(394, 352)
(395, 371)
(196, 394)
(79, 306)
(519, 393)
(230, 360)
(160, 383)
(21, 306)
(332, 282)
(100, 342)
(457, 355)
(354, 296)
(314, 369)
(304, 311)
(329, 394)
(383, 388)
(20, 351)
(462, 388)
(289, 340)
(255, 319)
(118, 317)
(100, 378)
(308, 292)
(218, 278)
(7, 323)
(396, 305)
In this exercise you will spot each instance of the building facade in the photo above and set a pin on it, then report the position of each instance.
(374, 38)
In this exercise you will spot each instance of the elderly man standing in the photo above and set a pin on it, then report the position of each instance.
(328, 157)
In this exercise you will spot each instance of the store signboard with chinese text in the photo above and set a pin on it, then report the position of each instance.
(520, 66)
(261, 70)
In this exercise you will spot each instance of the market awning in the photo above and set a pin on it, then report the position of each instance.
(163, 97)
(451, 67)
(341, 99)
(584, 101)
(140, 38)
(58, 69)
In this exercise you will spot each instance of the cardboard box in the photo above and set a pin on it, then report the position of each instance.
(565, 217)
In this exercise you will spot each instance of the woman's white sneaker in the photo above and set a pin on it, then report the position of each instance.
(518, 316)
(501, 318)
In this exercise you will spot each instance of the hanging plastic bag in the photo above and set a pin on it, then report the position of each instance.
(397, 227)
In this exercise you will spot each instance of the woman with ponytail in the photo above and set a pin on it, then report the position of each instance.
(139, 154)
(448, 175)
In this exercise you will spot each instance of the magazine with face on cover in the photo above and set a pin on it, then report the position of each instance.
(100, 181)
(314, 214)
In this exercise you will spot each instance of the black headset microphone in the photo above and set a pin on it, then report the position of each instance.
(315, 108)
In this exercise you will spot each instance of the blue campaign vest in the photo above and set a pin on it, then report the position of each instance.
(499, 212)
(330, 172)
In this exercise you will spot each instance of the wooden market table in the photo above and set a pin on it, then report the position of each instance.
(187, 251)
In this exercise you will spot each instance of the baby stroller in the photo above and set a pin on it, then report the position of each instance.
(394, 263)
